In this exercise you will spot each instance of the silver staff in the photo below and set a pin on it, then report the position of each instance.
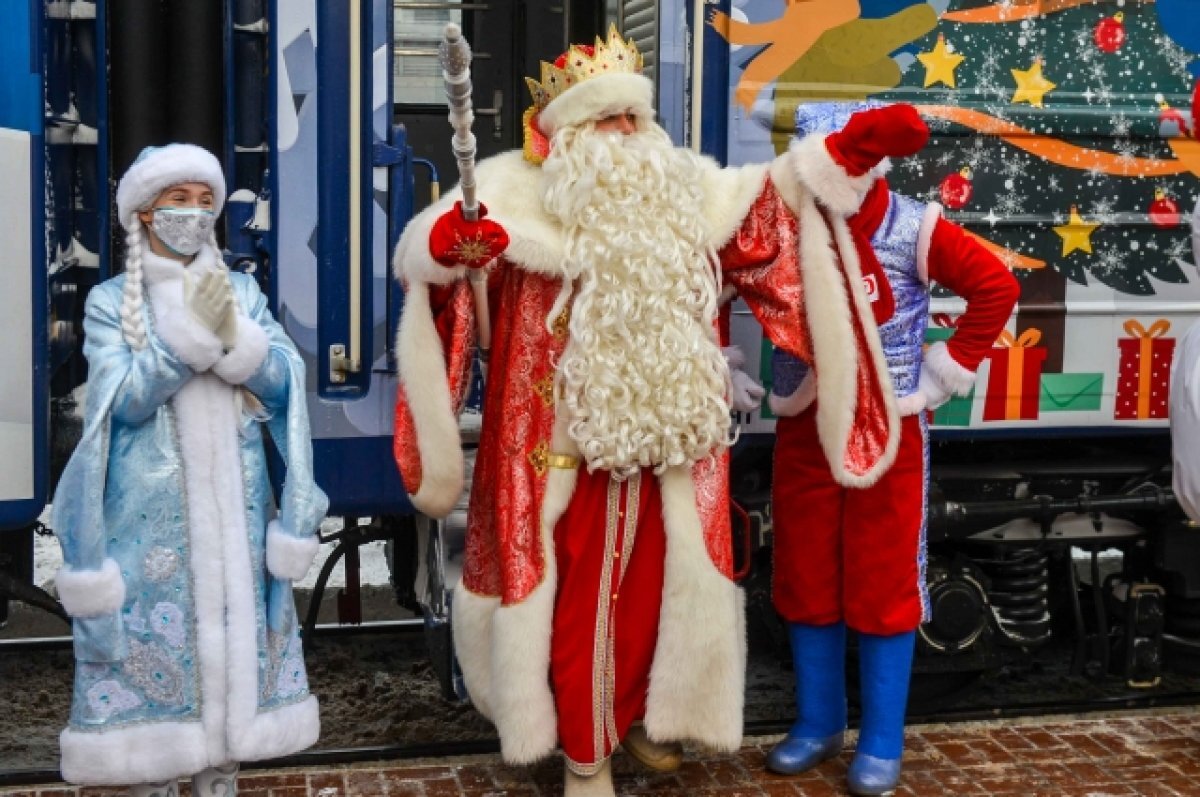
(455, 56)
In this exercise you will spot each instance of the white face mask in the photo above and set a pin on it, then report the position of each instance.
(183, 230)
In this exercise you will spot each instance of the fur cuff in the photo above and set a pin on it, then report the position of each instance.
(911, 404)
(412, 261)
(91, 593)
(196, 346)
(289, 556)
(954, 378)
(246, 356)
(828, 182)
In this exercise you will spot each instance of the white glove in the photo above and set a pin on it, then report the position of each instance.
(210, 300)
(734, 356)
(745, 394)
(228, 330)
(931, 388)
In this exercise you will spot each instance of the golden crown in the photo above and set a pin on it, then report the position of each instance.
(583, 62)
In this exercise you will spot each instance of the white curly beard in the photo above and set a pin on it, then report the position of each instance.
(642, 377)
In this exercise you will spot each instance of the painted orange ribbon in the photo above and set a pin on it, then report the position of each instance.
(1134, 329)
(1016, 367)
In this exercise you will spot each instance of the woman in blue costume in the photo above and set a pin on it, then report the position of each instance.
(178, 566)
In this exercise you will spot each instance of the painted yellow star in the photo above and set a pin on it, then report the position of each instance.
(940, 64)
(1076, 233)
(1031, 85)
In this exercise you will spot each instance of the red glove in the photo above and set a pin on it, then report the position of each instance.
(454, 241)
(872, 135)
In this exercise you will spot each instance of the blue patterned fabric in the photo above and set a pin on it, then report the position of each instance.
(824, 118)
(124, 496)
(895, 244)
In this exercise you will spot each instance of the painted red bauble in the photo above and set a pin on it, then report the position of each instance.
(1109, 33)
(956, 189)
(1164, 211)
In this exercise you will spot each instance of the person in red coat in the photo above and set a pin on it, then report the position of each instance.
(596, 605)
(854, 556)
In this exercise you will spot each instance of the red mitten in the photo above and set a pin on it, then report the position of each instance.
(875, 134)
(454, 241)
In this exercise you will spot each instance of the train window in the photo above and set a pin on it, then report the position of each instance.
(417, 29)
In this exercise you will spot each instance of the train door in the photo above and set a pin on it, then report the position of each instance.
(24, 437)
(508, 40)
(358, 101)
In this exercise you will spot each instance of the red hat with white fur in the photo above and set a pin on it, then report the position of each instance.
(586, 82)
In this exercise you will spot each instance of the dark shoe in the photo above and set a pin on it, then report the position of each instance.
(796, 754)
(870, 776)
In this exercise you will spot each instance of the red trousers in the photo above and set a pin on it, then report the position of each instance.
(855, 555)
(610, 547)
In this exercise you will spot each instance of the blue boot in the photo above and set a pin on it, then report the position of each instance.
(886, 665)
(819, 659)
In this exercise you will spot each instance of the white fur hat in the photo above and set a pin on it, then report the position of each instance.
(596, 98)
(591, 81)
(158, 168)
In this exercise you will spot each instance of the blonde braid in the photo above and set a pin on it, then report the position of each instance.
(132, 300)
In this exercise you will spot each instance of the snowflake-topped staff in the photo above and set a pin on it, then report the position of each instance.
(454, 54)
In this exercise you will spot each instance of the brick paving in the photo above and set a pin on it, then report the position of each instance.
(1137, 753)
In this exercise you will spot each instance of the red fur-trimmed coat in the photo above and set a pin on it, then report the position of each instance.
(780, 251)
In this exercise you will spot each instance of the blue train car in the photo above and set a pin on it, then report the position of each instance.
(330, 120)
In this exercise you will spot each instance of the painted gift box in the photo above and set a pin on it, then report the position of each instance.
(956, 411)
(1014, 381)
(1144, 371)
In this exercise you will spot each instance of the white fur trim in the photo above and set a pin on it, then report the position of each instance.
(281, 731)
(521, 702)
(729, 193)
(162, 168)
(504, 650)
(147, 753)
(800, 399)
(204, 410)
(154, 752)
(929, 220)
(289, 556)
(247, 354)
(911, 404)
(953, 377)
(698, 676)
(189, 340)
(226, 629)
(815, 169)
(597, 98)
(91, 593)
(471, 626)
(511, 188)
(422, 367)
(866, 317)
(523, 709)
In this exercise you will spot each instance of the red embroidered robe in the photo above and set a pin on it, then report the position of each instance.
(778, 250)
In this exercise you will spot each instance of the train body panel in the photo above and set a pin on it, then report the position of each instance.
(24, 435)
(332, 288)
(1061, 138)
